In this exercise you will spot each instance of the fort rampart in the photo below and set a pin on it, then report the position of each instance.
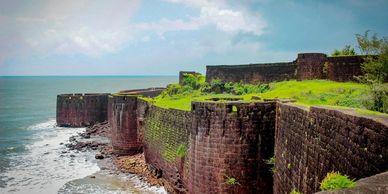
(306, 66)
(310, 142)
(225, 145)
(78, 110)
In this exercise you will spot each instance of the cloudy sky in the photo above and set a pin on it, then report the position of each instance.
(162, 37)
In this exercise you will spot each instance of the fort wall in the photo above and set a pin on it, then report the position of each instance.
(251, 73)
(344, 68)
(123, 123)
(80, 110)
(306, 66)
(312, 142)
(231, 141)
(166, 131)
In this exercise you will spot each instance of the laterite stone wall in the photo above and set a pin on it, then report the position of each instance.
(344, 68)
(164, 131)
(231, 140)
(80, 110)
(252, 73)
(310, 66)
(123, 123)
(312, 142)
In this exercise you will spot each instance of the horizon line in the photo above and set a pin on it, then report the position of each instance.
(152, 75)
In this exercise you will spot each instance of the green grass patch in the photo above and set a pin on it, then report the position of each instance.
(335, 180)
(181, 151)
(308, 92)
(295, 192)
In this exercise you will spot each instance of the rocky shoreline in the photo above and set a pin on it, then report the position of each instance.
(95, 139)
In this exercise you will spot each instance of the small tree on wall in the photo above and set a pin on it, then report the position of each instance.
(375, 67)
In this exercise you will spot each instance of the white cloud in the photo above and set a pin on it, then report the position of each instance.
(75, 26)
(223, 17)
(95, 28)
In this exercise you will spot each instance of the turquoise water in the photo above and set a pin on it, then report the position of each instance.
(30, 159)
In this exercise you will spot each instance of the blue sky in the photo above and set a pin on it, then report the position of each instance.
(162, 37)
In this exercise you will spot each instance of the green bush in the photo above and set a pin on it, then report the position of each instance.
(334, 180)
(195, 81)
(215, 86)
(295, 192)
(231, 181)
(271, 162)
(374, 67)
(377, 100)
(346, 51)
(181, 151)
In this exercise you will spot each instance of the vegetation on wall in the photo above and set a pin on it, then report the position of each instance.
(271, 163)
(295, 192)
(375, 68)
(335, 180)
(181, 151)
(231, 181)
(346, 51)
(308, 92)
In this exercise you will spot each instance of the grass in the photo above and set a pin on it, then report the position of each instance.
(231, 181)
(295, 192)
(181, 151)
(308, 92)
(335, 180)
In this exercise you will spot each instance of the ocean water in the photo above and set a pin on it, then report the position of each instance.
(32, 158)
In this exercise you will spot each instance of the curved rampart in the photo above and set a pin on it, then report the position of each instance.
(79, 110)
(312, 142)
(123, 123)
(229, 144)
(165, 132)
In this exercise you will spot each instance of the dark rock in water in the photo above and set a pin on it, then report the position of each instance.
(99, 156)
(72, 138)
(64, 152)
(72, 155)
(92, 177)
(61, 143)
(85, 135)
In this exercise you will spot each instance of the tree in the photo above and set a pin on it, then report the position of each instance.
(375, 66)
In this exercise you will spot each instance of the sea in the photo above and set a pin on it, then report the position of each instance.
(33, 157)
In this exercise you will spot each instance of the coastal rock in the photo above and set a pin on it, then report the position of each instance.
(99, 156)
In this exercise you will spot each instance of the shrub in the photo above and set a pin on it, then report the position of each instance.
(295, 192)
(172, 89)
(377, 100)
(374, 67)
(346, 51)
(181, 151)
(195, 81)
(334, 180)
(231, 181)
(271, 162)
(240, 89)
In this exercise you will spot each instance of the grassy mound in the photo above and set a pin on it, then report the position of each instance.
(308, 92)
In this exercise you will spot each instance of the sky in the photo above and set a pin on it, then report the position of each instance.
(163, 37)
